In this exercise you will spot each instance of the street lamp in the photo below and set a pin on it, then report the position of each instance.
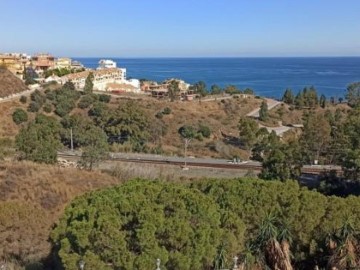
(81, 264)
(158, 264)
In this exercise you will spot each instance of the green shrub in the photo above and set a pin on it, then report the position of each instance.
(85, 101)
(23, 99)
(50, 95)
(47, 107)
(104, 98)
(199, 137)
(159, 115)
(19, 116)
(34, 106)
(38, 97)
(65, 100)
(249, 91)
(205, 131)
(64, 107)
(166, 110)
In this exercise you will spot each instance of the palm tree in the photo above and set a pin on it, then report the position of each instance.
(220, 259)
(344, 246)
(272, 245)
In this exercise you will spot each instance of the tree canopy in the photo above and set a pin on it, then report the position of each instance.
(205, 223)
(308, 97)
(130, 226)
(247, 131)
(200, 88)
(353, 94)
(288, 97)
(89, 85)
(264, 111)
(40, 140)
(173, 89)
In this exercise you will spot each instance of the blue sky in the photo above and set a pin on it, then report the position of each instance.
(187, 28)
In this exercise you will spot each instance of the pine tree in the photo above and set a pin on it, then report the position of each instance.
(299, 100)
(322, 101)
(89, 85)
(263, 113)
(288, 97)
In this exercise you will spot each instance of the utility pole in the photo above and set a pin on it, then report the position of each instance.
(186, 143)
(71, 140)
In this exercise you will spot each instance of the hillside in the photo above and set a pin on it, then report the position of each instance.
(219, 115)
(10, 84)
(32, 197)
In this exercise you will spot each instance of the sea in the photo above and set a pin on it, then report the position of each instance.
(268, 77)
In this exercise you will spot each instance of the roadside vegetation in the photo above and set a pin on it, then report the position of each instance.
(97, 124)
(267, 224)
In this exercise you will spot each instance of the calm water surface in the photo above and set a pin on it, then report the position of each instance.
(267, 76)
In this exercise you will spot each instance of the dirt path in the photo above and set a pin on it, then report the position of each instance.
(278, 130)
(272, 103)
(17, 95)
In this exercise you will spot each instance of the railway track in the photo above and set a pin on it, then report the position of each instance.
(240, 166)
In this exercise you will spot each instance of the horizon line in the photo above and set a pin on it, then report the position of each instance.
(199, 57)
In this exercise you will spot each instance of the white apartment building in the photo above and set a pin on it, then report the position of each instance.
(102, 79)
(63, 63)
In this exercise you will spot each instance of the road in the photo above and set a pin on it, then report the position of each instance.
(218, 98)
(278, 130)
(195, 162)
(18, 95)
(272, 103)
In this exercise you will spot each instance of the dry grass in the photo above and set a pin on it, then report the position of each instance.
(45, 186)
(127, 171)
(7, 126)
(218, 115)
(32, 198)
(10, 84)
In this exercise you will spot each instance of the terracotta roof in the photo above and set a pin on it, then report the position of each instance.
(120, 86)
(78, 75)
(105, 71)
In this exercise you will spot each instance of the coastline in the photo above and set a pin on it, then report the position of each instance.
(268, 76)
